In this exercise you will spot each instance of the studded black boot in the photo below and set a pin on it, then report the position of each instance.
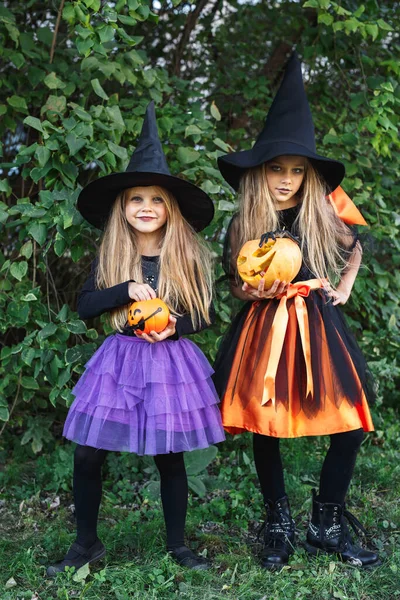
(279, 534)
(328, 532)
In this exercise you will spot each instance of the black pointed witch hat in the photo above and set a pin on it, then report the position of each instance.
(148, 166)
(288, 130)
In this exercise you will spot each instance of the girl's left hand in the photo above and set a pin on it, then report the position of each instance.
(338, 296)
(153, 337)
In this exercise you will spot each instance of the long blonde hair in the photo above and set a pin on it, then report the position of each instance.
(324, 237)
(185, 276)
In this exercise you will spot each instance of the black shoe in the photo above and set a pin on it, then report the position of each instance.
(77, 556)
(328, 532)
(186, 558)
(279, 534)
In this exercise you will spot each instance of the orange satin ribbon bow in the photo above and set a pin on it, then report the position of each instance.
(345, 208)
(298, 291)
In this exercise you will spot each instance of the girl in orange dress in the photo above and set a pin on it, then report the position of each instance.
(289, 366)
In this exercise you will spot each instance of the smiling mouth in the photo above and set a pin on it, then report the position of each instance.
(283, 190)
(146, 218)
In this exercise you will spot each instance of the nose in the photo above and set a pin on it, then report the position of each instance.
(286, 177)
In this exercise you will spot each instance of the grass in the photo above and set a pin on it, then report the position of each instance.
(35, 530)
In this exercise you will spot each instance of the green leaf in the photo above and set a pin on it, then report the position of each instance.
(118, 151)
(74, 143)
(209, 187)
(215, 112)
(19, 269)
(69, 13)
(47, 331)
(63, 314)
(34, 123)
(72, 355)
(187, 155)
(42, 154)
(325, 18)
(197, 460)
(18, 103)
(98, 89)
(106, 33)
(26, 250)
(197, 486)
(311, 4)
(29, 383)
(192, 130)
(383, 25)
(372, 30)
(4, 414)
(77, 326)
(221, 144)
(53, 82)
(39, 232)
(29, 297)
(27, 355)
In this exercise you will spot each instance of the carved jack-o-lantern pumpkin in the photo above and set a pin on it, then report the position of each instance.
(148, 315)
(277, 258)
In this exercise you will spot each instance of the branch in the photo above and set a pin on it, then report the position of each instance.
(53, 43)
(187, 30)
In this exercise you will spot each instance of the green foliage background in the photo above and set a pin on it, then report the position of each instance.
(75, 80)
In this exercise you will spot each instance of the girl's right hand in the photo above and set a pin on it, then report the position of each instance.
(276, 289)
(140, 291)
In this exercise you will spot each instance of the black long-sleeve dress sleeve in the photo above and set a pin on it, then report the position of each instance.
(93, 302)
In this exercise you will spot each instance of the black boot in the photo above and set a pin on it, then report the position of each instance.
(278, 534)
(328, 532)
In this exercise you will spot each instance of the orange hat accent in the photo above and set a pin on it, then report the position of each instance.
(345, 208)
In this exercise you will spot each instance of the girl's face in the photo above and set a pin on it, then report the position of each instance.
(145, 210)
(285, 175)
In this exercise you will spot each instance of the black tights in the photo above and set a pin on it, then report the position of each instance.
(88, 487)
(336, 472)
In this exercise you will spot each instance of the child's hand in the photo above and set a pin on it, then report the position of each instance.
(153, 337)
(338, 296)
(140, 291)
(277, 288)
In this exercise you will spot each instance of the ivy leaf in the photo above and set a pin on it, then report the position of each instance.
(187, 155)
(34, 123)
(53, 82)
(39, 232)
(74, 143)
(98, 89)
(215, 112)
(47, 331)
(27, 250)
(372, 30)
(72, 355)
(77, 327)
(325, 18)
(19, 269)
(18, 103)
(383, 25)
(29, 382)
(42, 154)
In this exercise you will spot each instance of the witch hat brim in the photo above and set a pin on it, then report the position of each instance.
(147, 167)
(288, 130)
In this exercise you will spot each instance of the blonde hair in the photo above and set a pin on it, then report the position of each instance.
(185, 276)
(325, 239)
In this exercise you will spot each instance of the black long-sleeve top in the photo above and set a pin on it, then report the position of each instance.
(93, 302)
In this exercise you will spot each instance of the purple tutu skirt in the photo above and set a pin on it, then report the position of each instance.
(145, 398)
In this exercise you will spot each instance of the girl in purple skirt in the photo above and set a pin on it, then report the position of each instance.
(150, 394)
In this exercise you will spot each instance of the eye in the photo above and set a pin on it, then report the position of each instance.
(158, 200)
(135, 199)
(298, 170)
(275, 168)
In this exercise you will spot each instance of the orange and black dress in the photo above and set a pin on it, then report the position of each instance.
(290, 367)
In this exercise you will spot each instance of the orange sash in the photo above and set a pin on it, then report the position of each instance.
(345, 208)
(298, 291)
